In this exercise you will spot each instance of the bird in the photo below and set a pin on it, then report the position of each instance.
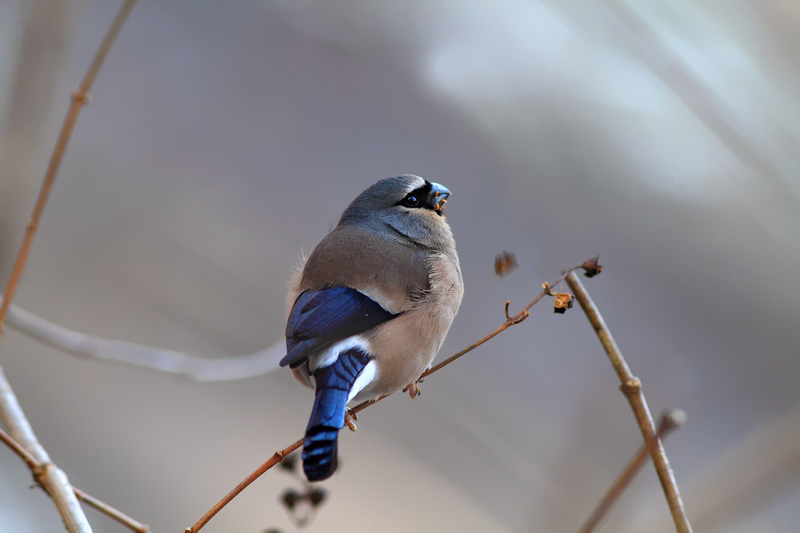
(369, 309)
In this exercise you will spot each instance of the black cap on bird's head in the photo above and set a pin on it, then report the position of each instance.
(428, 196)
(406, 191)
(404, 206)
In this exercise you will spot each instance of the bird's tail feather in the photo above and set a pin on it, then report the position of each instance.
(327, 418)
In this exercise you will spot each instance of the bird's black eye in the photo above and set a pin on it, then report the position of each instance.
(411, 200)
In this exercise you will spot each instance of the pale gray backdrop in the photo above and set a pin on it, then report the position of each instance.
(226, 137)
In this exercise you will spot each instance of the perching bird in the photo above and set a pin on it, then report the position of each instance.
(371, 306)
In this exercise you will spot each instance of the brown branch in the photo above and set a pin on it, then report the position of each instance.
(79, 99)
(278, 456)
(22, 440)
(36, 468)
(747, 476)
(688, 85)
(510, 321)
(670, 420)
(116, 514)
(632, 388)
(104, 508)
(17, 448)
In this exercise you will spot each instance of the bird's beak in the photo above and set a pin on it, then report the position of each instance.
(438, 197)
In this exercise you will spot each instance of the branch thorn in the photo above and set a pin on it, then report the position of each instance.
(514, 320)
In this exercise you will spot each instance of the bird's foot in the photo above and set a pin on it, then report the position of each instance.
(350, 418)
(413, 389)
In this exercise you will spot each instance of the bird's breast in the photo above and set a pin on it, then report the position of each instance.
(405, 346)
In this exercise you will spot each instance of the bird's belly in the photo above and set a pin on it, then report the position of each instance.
(399, 364)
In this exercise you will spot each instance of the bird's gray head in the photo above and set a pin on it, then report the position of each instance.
(404, 207)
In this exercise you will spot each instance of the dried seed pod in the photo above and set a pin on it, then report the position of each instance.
(316, 496)
(291, 498)
(562, 302)
(592, 267)
(505, 263)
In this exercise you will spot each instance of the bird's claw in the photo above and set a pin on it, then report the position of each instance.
(350, 418)
(413, 389)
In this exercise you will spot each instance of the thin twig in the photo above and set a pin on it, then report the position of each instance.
(183, 364)
(116, 514)
(670, 420)
(278, 456)
(226, 368)
(632, 388)
(189, 365)
(79, 99)
(104, 508)
(52, 479)
(657, 54)
(747, 477)
(17, 448)
(510, 321)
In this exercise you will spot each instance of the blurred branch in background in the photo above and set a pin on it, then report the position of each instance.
(170, 361)
(45, 26)
(12, 415)
(742, 480)
(670, 420)
(22, 439)
(79, 99)
(632, 388)
(701, 99)
(51, 478)
(749, 475)
(590, 267)
(107, 510)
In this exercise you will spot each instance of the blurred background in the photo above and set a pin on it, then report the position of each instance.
(224, 138)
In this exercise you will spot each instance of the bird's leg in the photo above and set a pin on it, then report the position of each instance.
(350, 418)
(413, 389)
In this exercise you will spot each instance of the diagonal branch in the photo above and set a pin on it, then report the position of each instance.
(706, 104)
(670, 420)
(22, 440)
(632, 388)
(748, 476)
(181, 363)
(51, 478)
(119, 516)
(278, 456)
(186, 364)
(79, 99)
(91, 501)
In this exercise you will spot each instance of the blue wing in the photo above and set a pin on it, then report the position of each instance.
(322, 318)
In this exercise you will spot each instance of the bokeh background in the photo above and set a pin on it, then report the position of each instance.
(225, 137)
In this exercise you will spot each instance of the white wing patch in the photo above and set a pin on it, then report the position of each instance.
(364, 378)
(329, 356)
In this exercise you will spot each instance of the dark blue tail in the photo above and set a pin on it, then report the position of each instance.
(327, 418)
